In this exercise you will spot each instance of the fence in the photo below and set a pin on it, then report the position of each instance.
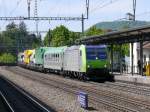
(126, 69)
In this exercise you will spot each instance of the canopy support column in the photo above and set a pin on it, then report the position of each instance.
(132, 59)
(141, 57)
(111, 58)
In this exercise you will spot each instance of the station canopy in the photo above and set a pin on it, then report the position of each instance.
(119, 37)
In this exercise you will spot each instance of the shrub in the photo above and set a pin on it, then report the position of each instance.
(7, 58)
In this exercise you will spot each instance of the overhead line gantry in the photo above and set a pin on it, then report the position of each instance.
(37, 18)
(41, 18)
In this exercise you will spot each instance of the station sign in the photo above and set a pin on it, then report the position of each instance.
(83, 99)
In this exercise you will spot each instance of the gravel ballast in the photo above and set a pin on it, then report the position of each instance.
(57, 99)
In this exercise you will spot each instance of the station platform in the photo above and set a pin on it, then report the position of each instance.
(135, 78)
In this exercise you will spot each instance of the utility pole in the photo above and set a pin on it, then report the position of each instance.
(82, 24)
(131, 16)
(134, 8)
(132, 44)
(87, 8)
(141, 42)
(87, 16)
(36, 18)
(36, 15)
(28, 2)
(49, 37)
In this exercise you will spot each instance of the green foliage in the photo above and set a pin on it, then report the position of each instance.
(94, 31)
(73, 36)
(36, 43)
(22, 28)
(11, 26)
(60, 36)
(124, 49)
(7, 58)
(17, 38)
(48, 38)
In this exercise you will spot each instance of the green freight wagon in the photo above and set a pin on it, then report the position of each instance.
(39, 55)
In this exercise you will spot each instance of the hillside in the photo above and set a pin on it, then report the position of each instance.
(120, 25)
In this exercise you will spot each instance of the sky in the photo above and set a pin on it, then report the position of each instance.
(100, 10)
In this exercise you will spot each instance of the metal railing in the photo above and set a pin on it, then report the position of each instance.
(126, 69)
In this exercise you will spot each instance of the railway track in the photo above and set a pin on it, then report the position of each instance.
(4, 105)
(112, 101)
(131, 88)
(133, 83)
(18, 100)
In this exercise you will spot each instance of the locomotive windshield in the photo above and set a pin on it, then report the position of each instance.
(96, 52)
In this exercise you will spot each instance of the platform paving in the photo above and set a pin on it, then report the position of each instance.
(136, 78)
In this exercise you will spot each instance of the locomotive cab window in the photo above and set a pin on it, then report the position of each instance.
(80, 53)
(93, 53)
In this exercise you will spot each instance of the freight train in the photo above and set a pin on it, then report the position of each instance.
(80, 61)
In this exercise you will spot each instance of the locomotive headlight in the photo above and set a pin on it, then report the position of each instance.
(88, 66)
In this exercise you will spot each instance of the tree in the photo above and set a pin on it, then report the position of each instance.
(94, 31)
(48, 38)
(11, 26)
(25, 40)
(17, 39)
(60, 36)
(73, 36)
(23, 28)
(9, 37)
(36, 41)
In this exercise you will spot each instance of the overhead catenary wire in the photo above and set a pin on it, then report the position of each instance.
(143, 13)
(18, 3)
(13, 10)
(137, 15)
(99, 2)
(104, 5)
(57, 7)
